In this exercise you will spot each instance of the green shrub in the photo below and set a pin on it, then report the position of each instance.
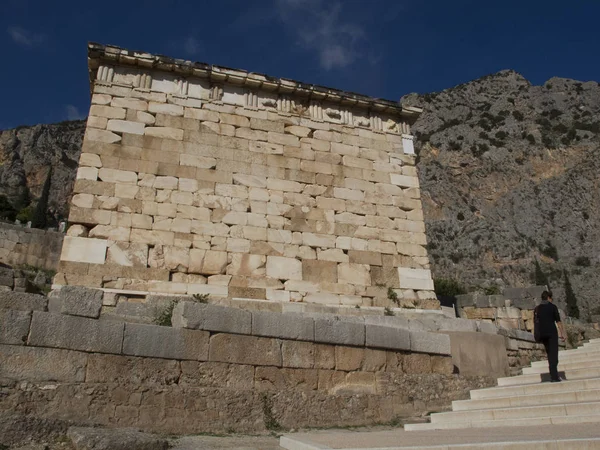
(163, 316)
(448, 287)
(25, 215)
(393, 296)
(583, 261)
(200, 298)
(518, 116)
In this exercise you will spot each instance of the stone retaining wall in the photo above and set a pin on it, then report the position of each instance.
(239, 371)
(30, 246)
(196, 179)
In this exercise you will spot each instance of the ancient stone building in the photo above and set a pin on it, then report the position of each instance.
(201, 179)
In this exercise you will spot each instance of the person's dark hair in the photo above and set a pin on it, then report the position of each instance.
(546, 295)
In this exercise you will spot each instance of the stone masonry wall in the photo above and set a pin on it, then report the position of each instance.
(195, 179)
(30, 246)
(223, 371)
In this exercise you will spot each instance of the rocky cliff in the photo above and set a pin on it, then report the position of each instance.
(508, 170)
(26, 154)
(509, 174)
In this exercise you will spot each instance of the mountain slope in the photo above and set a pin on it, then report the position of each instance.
(509, 174)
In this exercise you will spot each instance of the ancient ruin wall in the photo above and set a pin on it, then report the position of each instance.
(30, 246)
(201, 179)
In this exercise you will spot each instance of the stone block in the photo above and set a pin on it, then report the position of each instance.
(125, 126)
(84, 250)
(121, 369)
(434, 343)
(164, 132)
(237, 349)
(209, 317)
(359, 274)
(115, 439)
(283, 326)
(394, 338)
(75, 333)
(524, 303)
(336, 331)
(22, 301)
(14, 326)
(416, 363)
(349, 358)
(165, 342)
(319, 271)
(298, 355)
(127, 254)
(284, 268)
(76, 301)
(42, 364)
(419, 279)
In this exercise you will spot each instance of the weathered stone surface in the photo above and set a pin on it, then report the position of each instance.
(349, 358)
(122, 369)
(76, 301)
(165, 342)
(299, 355)
(22, 301)
(115, 439)
(337, 331)
(423, 342)
(14, 326)
(42, 364)
(239, 349)
(284, 326)
(85, 250)
(393, 338)
(209, 317)
(75, 333)
(217, 375)
(284, 268)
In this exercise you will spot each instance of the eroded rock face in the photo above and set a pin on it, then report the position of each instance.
(27, 152)
(509, 173)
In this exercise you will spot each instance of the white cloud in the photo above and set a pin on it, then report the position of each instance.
(73, 113)
(192, 46)
(25, 37)
(320, 27)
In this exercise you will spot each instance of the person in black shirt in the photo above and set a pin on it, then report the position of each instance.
(549, 320)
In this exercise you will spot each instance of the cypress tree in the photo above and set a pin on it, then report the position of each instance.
(572, 308)
(39, 215)
(540, 277)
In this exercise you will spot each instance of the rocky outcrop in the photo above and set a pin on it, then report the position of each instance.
(26, 153)
(509, 174)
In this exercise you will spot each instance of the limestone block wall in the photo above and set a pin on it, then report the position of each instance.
(30, 246)
(195, 179)
(217, 369)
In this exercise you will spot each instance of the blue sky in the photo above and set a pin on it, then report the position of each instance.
(382, 48)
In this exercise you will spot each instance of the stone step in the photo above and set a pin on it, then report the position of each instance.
(567, 366)
(561, 359)
(547, 437)
(520, 412)
(539, 388)
(573, 374)
(292, 443)
(594, 351)
(555, 398)
(528, 422)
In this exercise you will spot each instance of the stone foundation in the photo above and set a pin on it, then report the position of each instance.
(30, 246)
(222, 371)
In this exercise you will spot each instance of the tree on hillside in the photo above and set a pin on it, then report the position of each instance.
(540, 277)
(39, 216)
(23, 199)
(572, 308)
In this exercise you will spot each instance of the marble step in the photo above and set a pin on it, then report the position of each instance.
(566, 366)
(573, 374)
(562, 397)
(561, 359)
(538, 388)
(523, 422)
(520, 412)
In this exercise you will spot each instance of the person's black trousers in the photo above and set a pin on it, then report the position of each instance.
(551, 346)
